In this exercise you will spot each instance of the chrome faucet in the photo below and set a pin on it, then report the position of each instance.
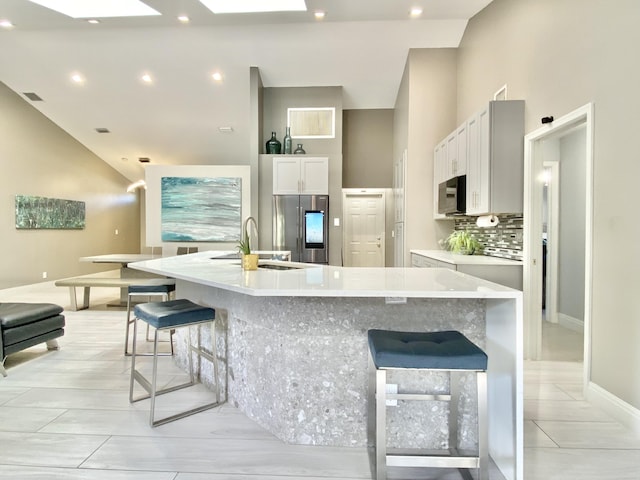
(245, 228)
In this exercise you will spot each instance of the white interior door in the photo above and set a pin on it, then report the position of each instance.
(364, 228)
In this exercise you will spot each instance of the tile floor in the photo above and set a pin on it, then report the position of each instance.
(65, 415)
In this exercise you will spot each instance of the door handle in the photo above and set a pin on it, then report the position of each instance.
(379, 241)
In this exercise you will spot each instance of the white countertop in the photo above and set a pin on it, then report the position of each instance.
(123, 258)
(457, 259)
(322, 280)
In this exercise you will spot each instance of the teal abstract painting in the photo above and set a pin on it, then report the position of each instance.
(201, 209)
(50, 213)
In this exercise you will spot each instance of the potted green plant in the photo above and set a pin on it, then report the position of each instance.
(463, 242)
(249, 260)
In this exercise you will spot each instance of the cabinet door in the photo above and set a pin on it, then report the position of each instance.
(478, 163)
(484, 137)
(452, 156)
(314, 176)
(398, 245)
(398, 188)
(439, 175)
(461, 157)
(286, 176)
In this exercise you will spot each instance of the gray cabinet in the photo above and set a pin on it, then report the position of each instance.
(507, 273)
(495, 159)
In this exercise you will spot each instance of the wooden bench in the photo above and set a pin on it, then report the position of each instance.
(88, 281)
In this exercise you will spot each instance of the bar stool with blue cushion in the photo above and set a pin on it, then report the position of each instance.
(427, 351)
(166, 316)
(164, 291)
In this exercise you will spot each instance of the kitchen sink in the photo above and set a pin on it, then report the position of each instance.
(273, 266)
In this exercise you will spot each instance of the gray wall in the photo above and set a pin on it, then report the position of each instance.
(559, 55)
(38, 158)
(276, 102)
(367, 149)
(572, 225)
(274, 118)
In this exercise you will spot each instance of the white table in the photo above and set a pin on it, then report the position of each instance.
(122, 259)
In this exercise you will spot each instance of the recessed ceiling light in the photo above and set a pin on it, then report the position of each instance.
(217, 76)
(6, 24)
(93, 21)
(249, 6)
(98, 8)
(144, 159)
(183, 19)
(146, 78)
(415, 12)
(319, 15)
(102, 130)
(77, 78)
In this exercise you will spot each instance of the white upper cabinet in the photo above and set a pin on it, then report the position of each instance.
(399, 169)
(452, 155)
(460, 167)
(296, 176)
(495, 156)
(489, 149)
(440, 174)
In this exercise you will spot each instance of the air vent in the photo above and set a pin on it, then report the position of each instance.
(102, 130)
(32, 96)
(144, 159)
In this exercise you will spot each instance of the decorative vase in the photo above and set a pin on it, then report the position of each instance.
(286, 142)
(250, 261)
(273, 145)
(299, 150)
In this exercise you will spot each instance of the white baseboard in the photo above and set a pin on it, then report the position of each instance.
(626, 414)
(570, 322)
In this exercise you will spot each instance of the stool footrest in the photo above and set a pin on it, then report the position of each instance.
(146, 384)
(417, 396)
(434, 461)
(177, 416)
(202, 353)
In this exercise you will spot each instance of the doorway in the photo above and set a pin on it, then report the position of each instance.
(571, 217)
(363, 213)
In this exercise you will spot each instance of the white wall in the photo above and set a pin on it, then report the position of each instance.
(559, 55)
(424, 114)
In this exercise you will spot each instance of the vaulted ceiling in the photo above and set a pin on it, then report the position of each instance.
(360, 45)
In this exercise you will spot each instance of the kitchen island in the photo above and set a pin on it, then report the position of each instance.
(297, 352)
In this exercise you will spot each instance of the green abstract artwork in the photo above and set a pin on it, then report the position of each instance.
(48, 213)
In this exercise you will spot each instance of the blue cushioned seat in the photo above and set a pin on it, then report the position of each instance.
(173, 313)
(146, 289)
(448, 350)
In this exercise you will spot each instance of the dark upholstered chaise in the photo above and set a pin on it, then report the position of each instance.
(23, 325)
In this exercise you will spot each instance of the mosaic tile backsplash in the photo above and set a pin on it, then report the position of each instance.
(504, 240)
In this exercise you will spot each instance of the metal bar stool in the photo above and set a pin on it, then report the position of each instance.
(166, 316)
(448, 351)
(163, 291)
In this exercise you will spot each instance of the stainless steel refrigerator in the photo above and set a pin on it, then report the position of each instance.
(300, 225)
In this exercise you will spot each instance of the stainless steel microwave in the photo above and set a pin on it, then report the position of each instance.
(452, 196)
